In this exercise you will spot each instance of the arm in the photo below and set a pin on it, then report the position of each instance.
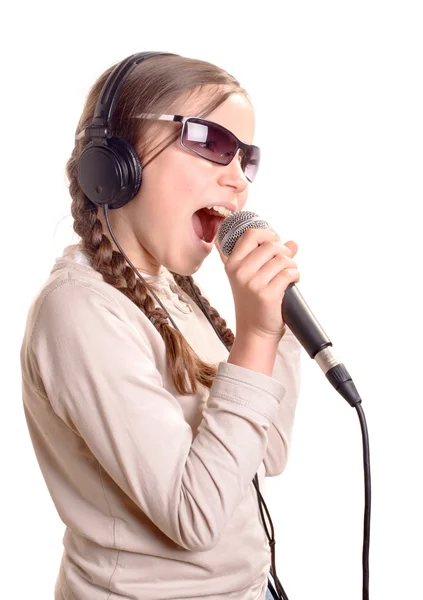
(282, 362)
(287, 371)
(101, 379)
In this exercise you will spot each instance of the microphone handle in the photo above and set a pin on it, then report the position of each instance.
(298, 317)
(304, 325)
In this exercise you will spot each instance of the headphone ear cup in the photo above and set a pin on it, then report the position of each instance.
(130, 166)
(109, 172)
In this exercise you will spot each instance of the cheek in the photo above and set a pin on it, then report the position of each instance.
(185, 184)
(176, 180)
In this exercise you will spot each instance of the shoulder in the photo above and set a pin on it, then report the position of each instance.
(76, 296)
(75, 288)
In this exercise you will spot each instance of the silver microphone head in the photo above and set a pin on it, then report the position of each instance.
(234, 226)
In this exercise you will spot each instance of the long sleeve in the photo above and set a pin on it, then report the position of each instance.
(287, 372)
(99, 373)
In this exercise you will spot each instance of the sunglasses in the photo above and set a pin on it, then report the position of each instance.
(213, 142)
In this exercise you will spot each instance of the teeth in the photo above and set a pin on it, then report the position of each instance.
(221, 210)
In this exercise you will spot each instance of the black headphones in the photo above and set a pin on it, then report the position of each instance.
(109, 169)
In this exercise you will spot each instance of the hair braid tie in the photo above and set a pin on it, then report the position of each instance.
(158, 317)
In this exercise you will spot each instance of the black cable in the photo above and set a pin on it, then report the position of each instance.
(106, 216)
(272, 541)
(367, 500)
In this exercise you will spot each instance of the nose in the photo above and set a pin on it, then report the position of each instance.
(233, 175)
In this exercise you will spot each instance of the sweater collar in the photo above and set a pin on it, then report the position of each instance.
(163, 284)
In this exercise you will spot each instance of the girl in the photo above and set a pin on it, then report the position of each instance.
(153, 434)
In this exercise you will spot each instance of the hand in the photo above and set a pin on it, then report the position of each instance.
(259, 270)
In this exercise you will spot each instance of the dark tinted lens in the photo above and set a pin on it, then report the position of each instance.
(251, 162)
(210, 141)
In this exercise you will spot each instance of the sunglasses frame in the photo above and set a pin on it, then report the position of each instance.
(185, 120)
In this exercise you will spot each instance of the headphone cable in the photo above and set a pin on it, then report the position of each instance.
(365, 440)
(106, 216)
(261, 501)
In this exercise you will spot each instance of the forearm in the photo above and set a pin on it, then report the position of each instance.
(287, 371)
(253, 352)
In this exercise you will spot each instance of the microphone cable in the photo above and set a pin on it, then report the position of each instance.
(367, 500)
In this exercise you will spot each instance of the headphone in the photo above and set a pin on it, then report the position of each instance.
(109, 169)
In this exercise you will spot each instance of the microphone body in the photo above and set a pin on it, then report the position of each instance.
(295, 311)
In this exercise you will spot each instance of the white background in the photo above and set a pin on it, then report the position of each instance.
(338, 92)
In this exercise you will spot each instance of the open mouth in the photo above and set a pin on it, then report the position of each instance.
(206, 224)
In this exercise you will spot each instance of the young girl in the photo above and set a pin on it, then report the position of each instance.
(154, 427)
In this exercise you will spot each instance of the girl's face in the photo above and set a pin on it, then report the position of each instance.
(157, 227)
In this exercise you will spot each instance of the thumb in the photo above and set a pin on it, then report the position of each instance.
(293, 246)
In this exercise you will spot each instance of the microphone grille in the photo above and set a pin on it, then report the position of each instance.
(233, 227)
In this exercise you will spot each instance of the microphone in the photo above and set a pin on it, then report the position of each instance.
(295, 311)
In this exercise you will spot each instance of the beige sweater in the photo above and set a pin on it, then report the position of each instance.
(155, 488)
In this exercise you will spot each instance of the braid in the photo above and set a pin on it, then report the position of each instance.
(220, 323)
(184, 363)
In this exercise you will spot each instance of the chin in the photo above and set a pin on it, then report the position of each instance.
(184, 268)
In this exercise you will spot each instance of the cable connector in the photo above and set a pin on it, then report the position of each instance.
(338, 376)
(341, 380)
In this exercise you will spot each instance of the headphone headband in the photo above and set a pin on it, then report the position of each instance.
(101, 123)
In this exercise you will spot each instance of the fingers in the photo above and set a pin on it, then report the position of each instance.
(259, 269)
(251, 239)
(267, 265)
(293, 246)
